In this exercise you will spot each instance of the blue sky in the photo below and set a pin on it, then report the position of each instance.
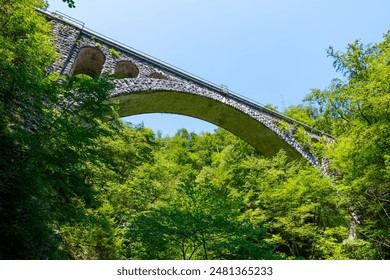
(271, 51)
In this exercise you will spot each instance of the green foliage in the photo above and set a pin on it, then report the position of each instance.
(71, 3)
(303, 138)
(114, 52)
(284, 126)
(270, 107)
(200, 222)
(47, 132)
(356, 111)
(25, 54)
(293, 201)
(304, 114)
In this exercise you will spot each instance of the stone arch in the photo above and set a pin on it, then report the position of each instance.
(213, 111)
(126, 69)
(156, 75)
(89, 61)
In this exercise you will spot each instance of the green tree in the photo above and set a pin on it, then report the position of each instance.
(25, 54)
(195, 216)
(47, 131)
(290, 199)
(201, 222)
(120, 178)
(357, 111)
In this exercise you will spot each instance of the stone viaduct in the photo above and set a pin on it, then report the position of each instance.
(147, 85)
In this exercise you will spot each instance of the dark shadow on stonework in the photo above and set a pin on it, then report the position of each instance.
(126, 69)
(157, 76)
(89, 61)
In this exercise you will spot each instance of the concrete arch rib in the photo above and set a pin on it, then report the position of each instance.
(135, 99)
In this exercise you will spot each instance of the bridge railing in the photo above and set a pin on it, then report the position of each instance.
(180, 72)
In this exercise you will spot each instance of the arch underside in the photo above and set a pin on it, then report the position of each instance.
(233, 120)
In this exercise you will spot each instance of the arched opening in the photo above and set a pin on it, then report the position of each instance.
(126, 69)
(157, 76)
(89, 61)
(169, 124)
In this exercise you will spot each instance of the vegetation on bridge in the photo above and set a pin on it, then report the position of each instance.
(76, 182)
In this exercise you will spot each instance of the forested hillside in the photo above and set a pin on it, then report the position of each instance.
(78, 183)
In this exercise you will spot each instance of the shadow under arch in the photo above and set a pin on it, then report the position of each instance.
(156, 75)
(126, 69)
(89, 61)
(233, 120)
